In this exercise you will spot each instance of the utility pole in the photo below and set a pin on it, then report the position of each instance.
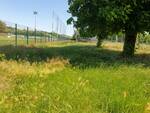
(52, 25)
(57, 19)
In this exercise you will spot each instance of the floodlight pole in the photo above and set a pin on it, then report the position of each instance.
(35, 13)
(52, 25)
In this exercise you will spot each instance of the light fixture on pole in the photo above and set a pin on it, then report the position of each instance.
(35, 13)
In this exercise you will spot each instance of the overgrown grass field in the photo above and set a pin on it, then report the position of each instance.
(67, 77)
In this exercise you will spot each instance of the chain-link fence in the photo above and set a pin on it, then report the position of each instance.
(7, 33)
(15, 34)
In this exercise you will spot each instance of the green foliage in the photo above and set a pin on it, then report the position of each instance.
(76, 35)
(3, 28)
(96, 16)
(102, 17)
(2, 57)
(144, 38)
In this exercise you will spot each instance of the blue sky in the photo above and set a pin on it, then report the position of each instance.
(21, 12)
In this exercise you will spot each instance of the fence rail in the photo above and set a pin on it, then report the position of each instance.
(16, 34)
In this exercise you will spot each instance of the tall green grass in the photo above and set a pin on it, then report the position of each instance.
(66, 77)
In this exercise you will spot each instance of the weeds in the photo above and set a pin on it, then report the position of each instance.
(73, 78)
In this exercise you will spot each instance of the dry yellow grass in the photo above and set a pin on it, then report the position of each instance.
(15, 68)
(113, 46)
(147, 108)
(140, 49)
(4, 84)
(12, 69)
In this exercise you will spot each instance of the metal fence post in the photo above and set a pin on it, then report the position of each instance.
(45, 37)
(16, 35)
(41, 39)
(52, 38)
(48, 38)
(35, 36)
(27, 35)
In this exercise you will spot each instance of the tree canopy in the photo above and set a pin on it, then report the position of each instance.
(102, 17)
(3, 27)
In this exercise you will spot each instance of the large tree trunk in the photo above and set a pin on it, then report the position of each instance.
(129, 44)
(99, 40)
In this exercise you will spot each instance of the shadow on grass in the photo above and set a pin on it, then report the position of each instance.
(80, 56)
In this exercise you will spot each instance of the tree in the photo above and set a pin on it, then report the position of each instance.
(102, 17)
(3, 27)
(76, 35)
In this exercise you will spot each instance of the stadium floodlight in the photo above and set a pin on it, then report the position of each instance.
(35, 13)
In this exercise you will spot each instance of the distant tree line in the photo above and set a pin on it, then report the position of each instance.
(32, 32)
(120, 37)
(11, 30)
(3, 27)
